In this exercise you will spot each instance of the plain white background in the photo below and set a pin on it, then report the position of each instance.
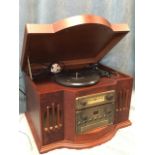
(145, 77)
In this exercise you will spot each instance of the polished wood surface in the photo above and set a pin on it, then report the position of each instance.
(73, 145)
(75, 41)
(49, 92)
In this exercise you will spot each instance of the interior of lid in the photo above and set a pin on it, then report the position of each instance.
(78, 42)
(85, 42)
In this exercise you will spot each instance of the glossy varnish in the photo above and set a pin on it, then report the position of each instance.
(43, 95)
(76, 42)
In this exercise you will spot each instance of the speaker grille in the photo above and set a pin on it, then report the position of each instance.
(52, 118)
(122, 100)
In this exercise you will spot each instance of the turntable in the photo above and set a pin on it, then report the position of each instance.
(74, 101)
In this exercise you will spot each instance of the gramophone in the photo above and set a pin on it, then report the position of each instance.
(73, 100)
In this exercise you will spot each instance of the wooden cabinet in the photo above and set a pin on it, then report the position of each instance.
(76, 43)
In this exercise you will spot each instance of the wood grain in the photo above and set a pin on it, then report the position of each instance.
(84, 39)
(76, 42)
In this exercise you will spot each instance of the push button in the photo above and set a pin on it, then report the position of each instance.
(84, 118)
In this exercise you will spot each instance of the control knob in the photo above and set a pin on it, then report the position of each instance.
(109, 97)
(83, 103)
(84, 118)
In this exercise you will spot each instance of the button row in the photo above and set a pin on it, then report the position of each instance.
(90, 119)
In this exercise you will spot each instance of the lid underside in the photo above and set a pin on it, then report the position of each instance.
(74, 41)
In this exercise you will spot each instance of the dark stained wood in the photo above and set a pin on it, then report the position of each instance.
(77, 42)
(51, 101)
(50, 92)
(33, 110)
(69, 117)
(70, 40)
(86, 144)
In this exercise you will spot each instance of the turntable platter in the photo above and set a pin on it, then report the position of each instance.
(78, 79)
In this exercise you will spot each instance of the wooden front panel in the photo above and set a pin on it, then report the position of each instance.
(124, 90)
(33, 109)
(52, 117)
(69, 102)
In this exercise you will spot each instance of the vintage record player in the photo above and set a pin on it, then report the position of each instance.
(74, 101)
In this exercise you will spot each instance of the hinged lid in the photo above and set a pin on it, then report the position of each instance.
(75, 41)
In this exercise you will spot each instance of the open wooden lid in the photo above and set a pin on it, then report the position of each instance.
(75, 41)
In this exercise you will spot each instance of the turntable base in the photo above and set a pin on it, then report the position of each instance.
(64, 135)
